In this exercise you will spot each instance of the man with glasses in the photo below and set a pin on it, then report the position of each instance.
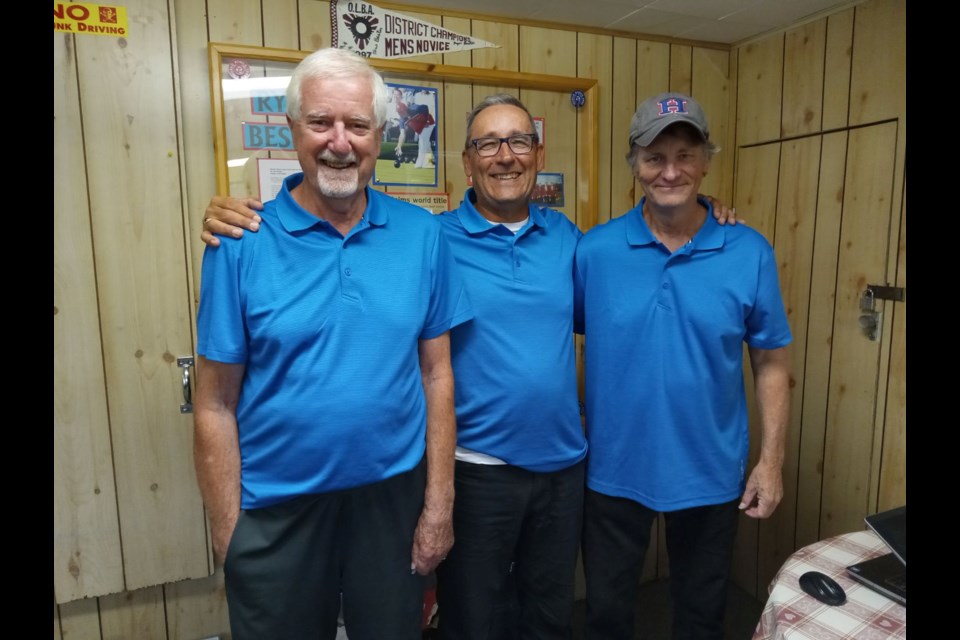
(520, 444)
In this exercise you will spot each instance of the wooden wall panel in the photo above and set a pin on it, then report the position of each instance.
(759, 82)
(757, 168)
(281, 24)
(505, 57)
(136, 614)
(623, 196)
(819, 339)
(314, 24)
(130, 135)
(554, 52)
(795, 226)
(893, 464)
(458, 25)
(710, 87)
(197, 608)
(878, 71)
(855, 359)
(595, 60)
(79, 620)
(681, 68)
(239, 22)
(757, 174)
(803, 78)
(236, 21)
(196, 142)
(458, 101)
(836, 77)
(653, 70)
(86, 543)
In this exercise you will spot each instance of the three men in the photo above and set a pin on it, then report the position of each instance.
(324, 426)
(519, 470)
(666, 298)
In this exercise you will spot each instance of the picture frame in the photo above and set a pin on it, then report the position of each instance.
(409, 150)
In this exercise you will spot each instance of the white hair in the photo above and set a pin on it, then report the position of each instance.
(328, 63)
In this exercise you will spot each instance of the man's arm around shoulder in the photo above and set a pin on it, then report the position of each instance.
(771, 374)
(433, 537)
(216, 447)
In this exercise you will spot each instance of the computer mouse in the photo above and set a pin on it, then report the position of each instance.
(823, 588)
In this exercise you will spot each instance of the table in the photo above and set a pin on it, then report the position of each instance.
(866, 615)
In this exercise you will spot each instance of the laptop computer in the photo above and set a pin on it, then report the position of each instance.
(886, 574)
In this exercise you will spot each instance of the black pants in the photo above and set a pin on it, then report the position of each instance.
(512, 568)
(616, 534)
(287, 565)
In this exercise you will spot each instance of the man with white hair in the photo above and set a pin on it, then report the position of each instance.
(324, 424)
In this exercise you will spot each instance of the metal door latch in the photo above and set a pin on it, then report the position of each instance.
(185, 363)
(871, 320)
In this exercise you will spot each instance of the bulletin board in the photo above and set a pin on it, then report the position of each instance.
(254, 148)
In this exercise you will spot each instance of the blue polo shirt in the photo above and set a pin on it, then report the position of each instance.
(665, 402)
(514, 365)
(328, 328)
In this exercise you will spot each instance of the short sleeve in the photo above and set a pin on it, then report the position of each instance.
(449, 304)
(767, 326)
(221, 330)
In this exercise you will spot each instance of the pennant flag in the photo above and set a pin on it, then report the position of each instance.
(370, 31)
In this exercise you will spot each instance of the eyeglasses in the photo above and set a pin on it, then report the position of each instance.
(520, 144)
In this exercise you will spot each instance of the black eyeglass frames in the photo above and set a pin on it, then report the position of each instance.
(519, 143)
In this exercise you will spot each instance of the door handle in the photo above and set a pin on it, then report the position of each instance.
(186, 363)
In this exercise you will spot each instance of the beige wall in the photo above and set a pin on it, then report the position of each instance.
(813, 130)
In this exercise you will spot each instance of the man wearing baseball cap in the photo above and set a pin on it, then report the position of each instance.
(666, 298)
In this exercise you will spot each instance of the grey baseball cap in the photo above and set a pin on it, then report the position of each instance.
(661, 111)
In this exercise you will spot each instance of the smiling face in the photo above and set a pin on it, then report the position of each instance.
(671, 168)
(502, 182)
(335, 138)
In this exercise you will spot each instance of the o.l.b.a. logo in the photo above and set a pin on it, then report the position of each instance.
(361, 28)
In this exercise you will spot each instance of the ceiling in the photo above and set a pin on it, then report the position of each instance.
(722, 21)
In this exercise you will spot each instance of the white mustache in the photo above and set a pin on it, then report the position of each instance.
(329, 156)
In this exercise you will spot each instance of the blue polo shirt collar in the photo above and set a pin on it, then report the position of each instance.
(710, 236)
(474, 222)
(295, 218)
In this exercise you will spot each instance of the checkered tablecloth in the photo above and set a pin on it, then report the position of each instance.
(790, 614)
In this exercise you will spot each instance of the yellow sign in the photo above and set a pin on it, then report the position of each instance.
(96, 19)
